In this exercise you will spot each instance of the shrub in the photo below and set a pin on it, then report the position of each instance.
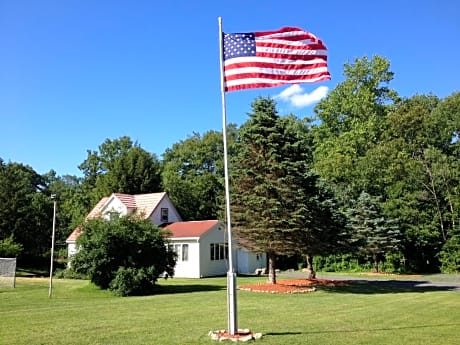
(393, 262)
(68, 273)
(132, 281)
(450, 256)
(125, 255)
(350, 263)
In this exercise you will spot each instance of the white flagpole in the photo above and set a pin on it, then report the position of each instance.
(231, 275)
(50, 290)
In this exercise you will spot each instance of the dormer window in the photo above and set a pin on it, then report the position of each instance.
(164, 215)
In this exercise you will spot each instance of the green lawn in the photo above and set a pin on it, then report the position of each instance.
(185, 311)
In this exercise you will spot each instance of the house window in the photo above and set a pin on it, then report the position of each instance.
(181, 251)
(177, 249)
(164, 215)
(218, 251)
(212, 251)
(113, 215)
(185, 252)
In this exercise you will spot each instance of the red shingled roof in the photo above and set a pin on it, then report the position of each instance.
(191, 229)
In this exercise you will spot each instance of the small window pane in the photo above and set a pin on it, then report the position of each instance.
(185, 252)
(164, 215)
(221, 251)
(212, 252)
(177, 250)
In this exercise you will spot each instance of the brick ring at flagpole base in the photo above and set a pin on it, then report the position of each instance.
(242, 335)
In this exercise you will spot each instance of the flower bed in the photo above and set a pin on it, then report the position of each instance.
(292, 285)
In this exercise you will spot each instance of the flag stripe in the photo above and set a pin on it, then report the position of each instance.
(261, 82)
(284, 43)
(287, 33)
(266, 59)
(268, 76)
(281, 74)
(234, 68)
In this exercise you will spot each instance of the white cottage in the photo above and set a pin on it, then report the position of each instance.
(203, 250)
(201, 245)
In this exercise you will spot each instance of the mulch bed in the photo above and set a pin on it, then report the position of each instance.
(292, 285)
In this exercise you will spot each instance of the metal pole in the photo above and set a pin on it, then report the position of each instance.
(231, 275)
(50, 292)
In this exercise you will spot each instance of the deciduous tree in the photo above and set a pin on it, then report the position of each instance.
(25, 209)
(193, 174)
(351, 123)
(120, 166)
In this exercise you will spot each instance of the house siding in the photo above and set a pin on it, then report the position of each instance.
(212, 267)
(191, 267)
(72, 249)
(248, 262)
(201, 265)
(173, 215)
(113, 205)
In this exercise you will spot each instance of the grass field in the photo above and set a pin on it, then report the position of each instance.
(185, 310)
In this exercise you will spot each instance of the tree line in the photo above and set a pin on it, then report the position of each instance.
(369, 175)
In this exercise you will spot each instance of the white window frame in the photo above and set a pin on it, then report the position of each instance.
(182, 250)
(218, 251)
(164, 215)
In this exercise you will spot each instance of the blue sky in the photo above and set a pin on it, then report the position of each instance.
(74, 73)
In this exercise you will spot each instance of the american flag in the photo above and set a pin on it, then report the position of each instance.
(272, 58)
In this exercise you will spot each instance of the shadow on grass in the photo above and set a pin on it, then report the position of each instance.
(284, 333)
(363, 330)
(388, 286)
(186, 288)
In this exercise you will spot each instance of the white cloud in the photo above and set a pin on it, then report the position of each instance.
(295, 96)
(291, 90)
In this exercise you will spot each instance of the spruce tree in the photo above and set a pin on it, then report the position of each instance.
(275, 196)
(372, 233)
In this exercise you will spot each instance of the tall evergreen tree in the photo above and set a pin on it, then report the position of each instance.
(275, 196)
(372, 233)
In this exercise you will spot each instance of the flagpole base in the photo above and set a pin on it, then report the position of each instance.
(231, 300)
(242, 335)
